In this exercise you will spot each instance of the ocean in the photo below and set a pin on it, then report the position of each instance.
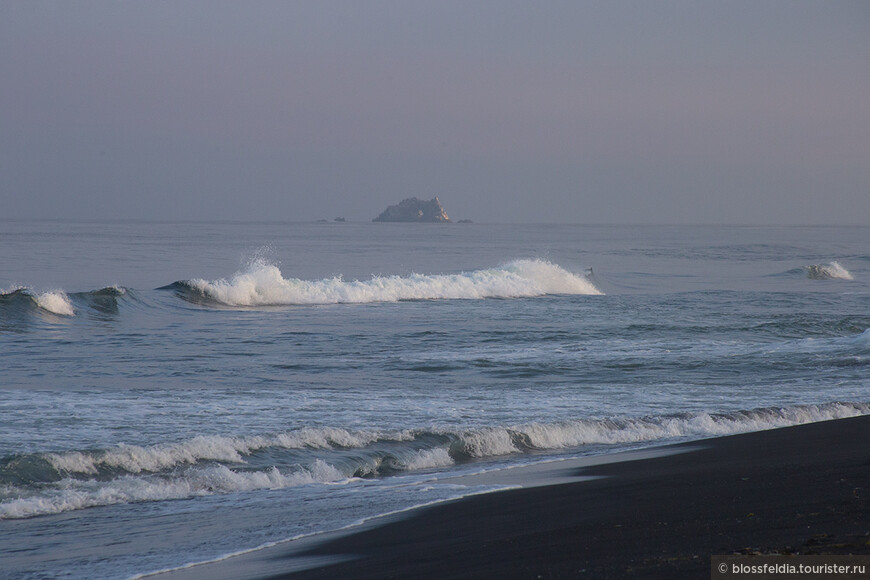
(174, 393)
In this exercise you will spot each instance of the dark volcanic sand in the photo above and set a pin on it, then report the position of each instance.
(802, 489)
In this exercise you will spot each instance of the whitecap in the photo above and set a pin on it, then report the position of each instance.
(429, 458)
(830, 271)
(74, 494)
(181, 476)
(56, 302)
(263, 284)
(164, 456)
(636, 430)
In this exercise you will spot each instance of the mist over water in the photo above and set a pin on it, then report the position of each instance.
(192, 390)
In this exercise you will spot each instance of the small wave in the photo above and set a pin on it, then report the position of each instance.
(16, 297)
(109, 293)
(430, 458)
(542, 436)
(831, 271)
(53, 301)
(75, 494)
(262, 284)
(425, 448)
(134, 459)
(51, 483)
(862, 339)
(56, 302)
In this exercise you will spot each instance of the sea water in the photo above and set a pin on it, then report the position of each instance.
(176, 392)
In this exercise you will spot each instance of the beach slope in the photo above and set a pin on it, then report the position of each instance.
(803, 489)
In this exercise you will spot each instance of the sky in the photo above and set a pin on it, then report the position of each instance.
(666, 112)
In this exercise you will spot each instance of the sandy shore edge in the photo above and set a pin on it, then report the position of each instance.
(657, 513)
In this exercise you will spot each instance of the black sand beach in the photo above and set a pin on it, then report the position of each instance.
(796, 490)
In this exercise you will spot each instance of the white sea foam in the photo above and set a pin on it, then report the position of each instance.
(138, 459)
(831, 271)
(181, 477)
(263, 284)
(8, 291)
(74, 494)
(56, 302)
(542, 436)
(483, 442)
(429, 458)
(487, 442)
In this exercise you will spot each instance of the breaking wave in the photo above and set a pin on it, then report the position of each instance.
(56, 302)
(47, 483)
(73, 494)
(567, 434)
(135, 459)
(831, 271)
(22, 300)
(52, 301)
(262, 284)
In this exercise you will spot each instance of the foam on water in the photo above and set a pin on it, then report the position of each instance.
(614, 431)
(74, 494)
(53, 301)
(263, 284)
(136, 459)
(56, 302)
(187, 469)
(430, 458)
(21, 299)
(830, 271)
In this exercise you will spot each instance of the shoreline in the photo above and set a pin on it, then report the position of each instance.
(656, 513)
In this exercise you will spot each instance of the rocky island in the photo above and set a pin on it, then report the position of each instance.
(414, 210)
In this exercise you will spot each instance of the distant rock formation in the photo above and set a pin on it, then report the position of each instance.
(414, 210)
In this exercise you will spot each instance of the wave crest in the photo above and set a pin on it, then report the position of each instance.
(493, 441)
(134, 459)
(830, 271)
(262, 284)
(75, 494)
(53, 301)
(56, 302)
(22, 301)
(33, 485)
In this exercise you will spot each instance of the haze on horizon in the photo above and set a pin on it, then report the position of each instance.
(585, 112)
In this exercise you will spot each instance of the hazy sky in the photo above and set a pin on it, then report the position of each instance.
(588, 112)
